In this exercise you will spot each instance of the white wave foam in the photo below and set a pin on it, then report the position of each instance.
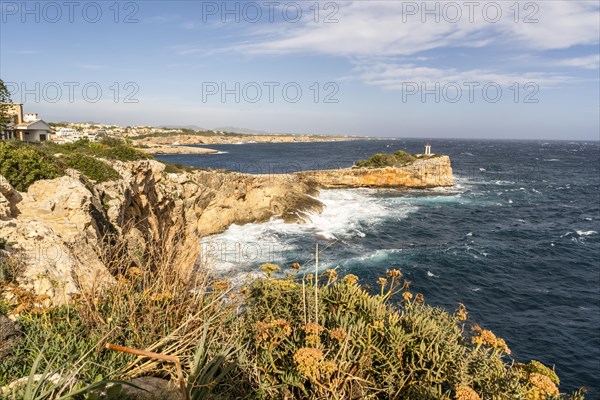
(432, 275)
(586, 233)
(347, 215)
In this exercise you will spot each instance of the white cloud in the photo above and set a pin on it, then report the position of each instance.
(561, 24)
(387, 28)
(396, 76)
(586, 62)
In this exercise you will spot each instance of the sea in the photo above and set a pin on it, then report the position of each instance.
(515, 240)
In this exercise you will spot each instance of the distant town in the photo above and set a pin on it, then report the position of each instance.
(30, 127)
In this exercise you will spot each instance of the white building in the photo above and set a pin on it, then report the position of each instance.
(27, 128)
(70, 135)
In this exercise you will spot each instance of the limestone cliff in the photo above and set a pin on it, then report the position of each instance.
(58, 227)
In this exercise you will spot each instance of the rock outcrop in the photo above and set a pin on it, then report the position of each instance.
(61, 228)
(432, 172)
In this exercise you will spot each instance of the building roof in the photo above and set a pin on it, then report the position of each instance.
(25, 125)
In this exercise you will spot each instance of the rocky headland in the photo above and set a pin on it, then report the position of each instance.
(422, 173)
(58, 227)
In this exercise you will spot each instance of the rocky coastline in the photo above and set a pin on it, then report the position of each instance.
(184, 139)
(58, 225)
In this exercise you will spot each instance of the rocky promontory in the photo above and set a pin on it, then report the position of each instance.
(58, 228)
(422, 173)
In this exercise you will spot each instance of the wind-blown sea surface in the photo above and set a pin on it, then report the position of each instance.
(516, 240)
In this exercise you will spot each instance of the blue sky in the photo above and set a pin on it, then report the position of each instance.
(482, 69)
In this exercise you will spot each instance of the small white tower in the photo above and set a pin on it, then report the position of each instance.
(427, 149)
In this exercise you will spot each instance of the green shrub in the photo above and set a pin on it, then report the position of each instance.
(337, 340)
(398, 159)
(109, 148)
(22, 164)
(122, 153)
(91, 167)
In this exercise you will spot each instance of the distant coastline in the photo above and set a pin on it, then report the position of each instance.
(199, 139)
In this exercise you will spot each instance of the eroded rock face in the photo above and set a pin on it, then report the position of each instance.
(53, 231)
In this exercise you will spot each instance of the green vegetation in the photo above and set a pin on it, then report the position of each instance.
(24, 163)
(176, 168)
(5, 104)
(295, 337)
(108, 149)
(91, 167)
(398, 159)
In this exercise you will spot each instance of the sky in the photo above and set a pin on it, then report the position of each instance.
(463, 69)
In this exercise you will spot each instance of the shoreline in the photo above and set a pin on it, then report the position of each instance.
(166, 150)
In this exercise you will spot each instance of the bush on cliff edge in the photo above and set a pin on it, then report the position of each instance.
(22, 165)
(336, 340)
(398, 159)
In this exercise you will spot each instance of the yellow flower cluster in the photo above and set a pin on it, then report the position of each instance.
(486, 337)
(328, 367)
(420, 298)
(295, 266)
(465, 393)
(543, 387)
(283, 284)
(312, 331)
(331, 274)
(382, 281)
(270, 268)
(338, 334)
(221, 286)
(312, 328)
(538, 367)
(351, 279)
(461, 312)
(308, 360)
(407, 296)
(311, 362)
(161, 296)
(393, 274)
(134, 271)
(275, 329)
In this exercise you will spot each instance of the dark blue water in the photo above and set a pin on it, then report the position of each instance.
(516, 240)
